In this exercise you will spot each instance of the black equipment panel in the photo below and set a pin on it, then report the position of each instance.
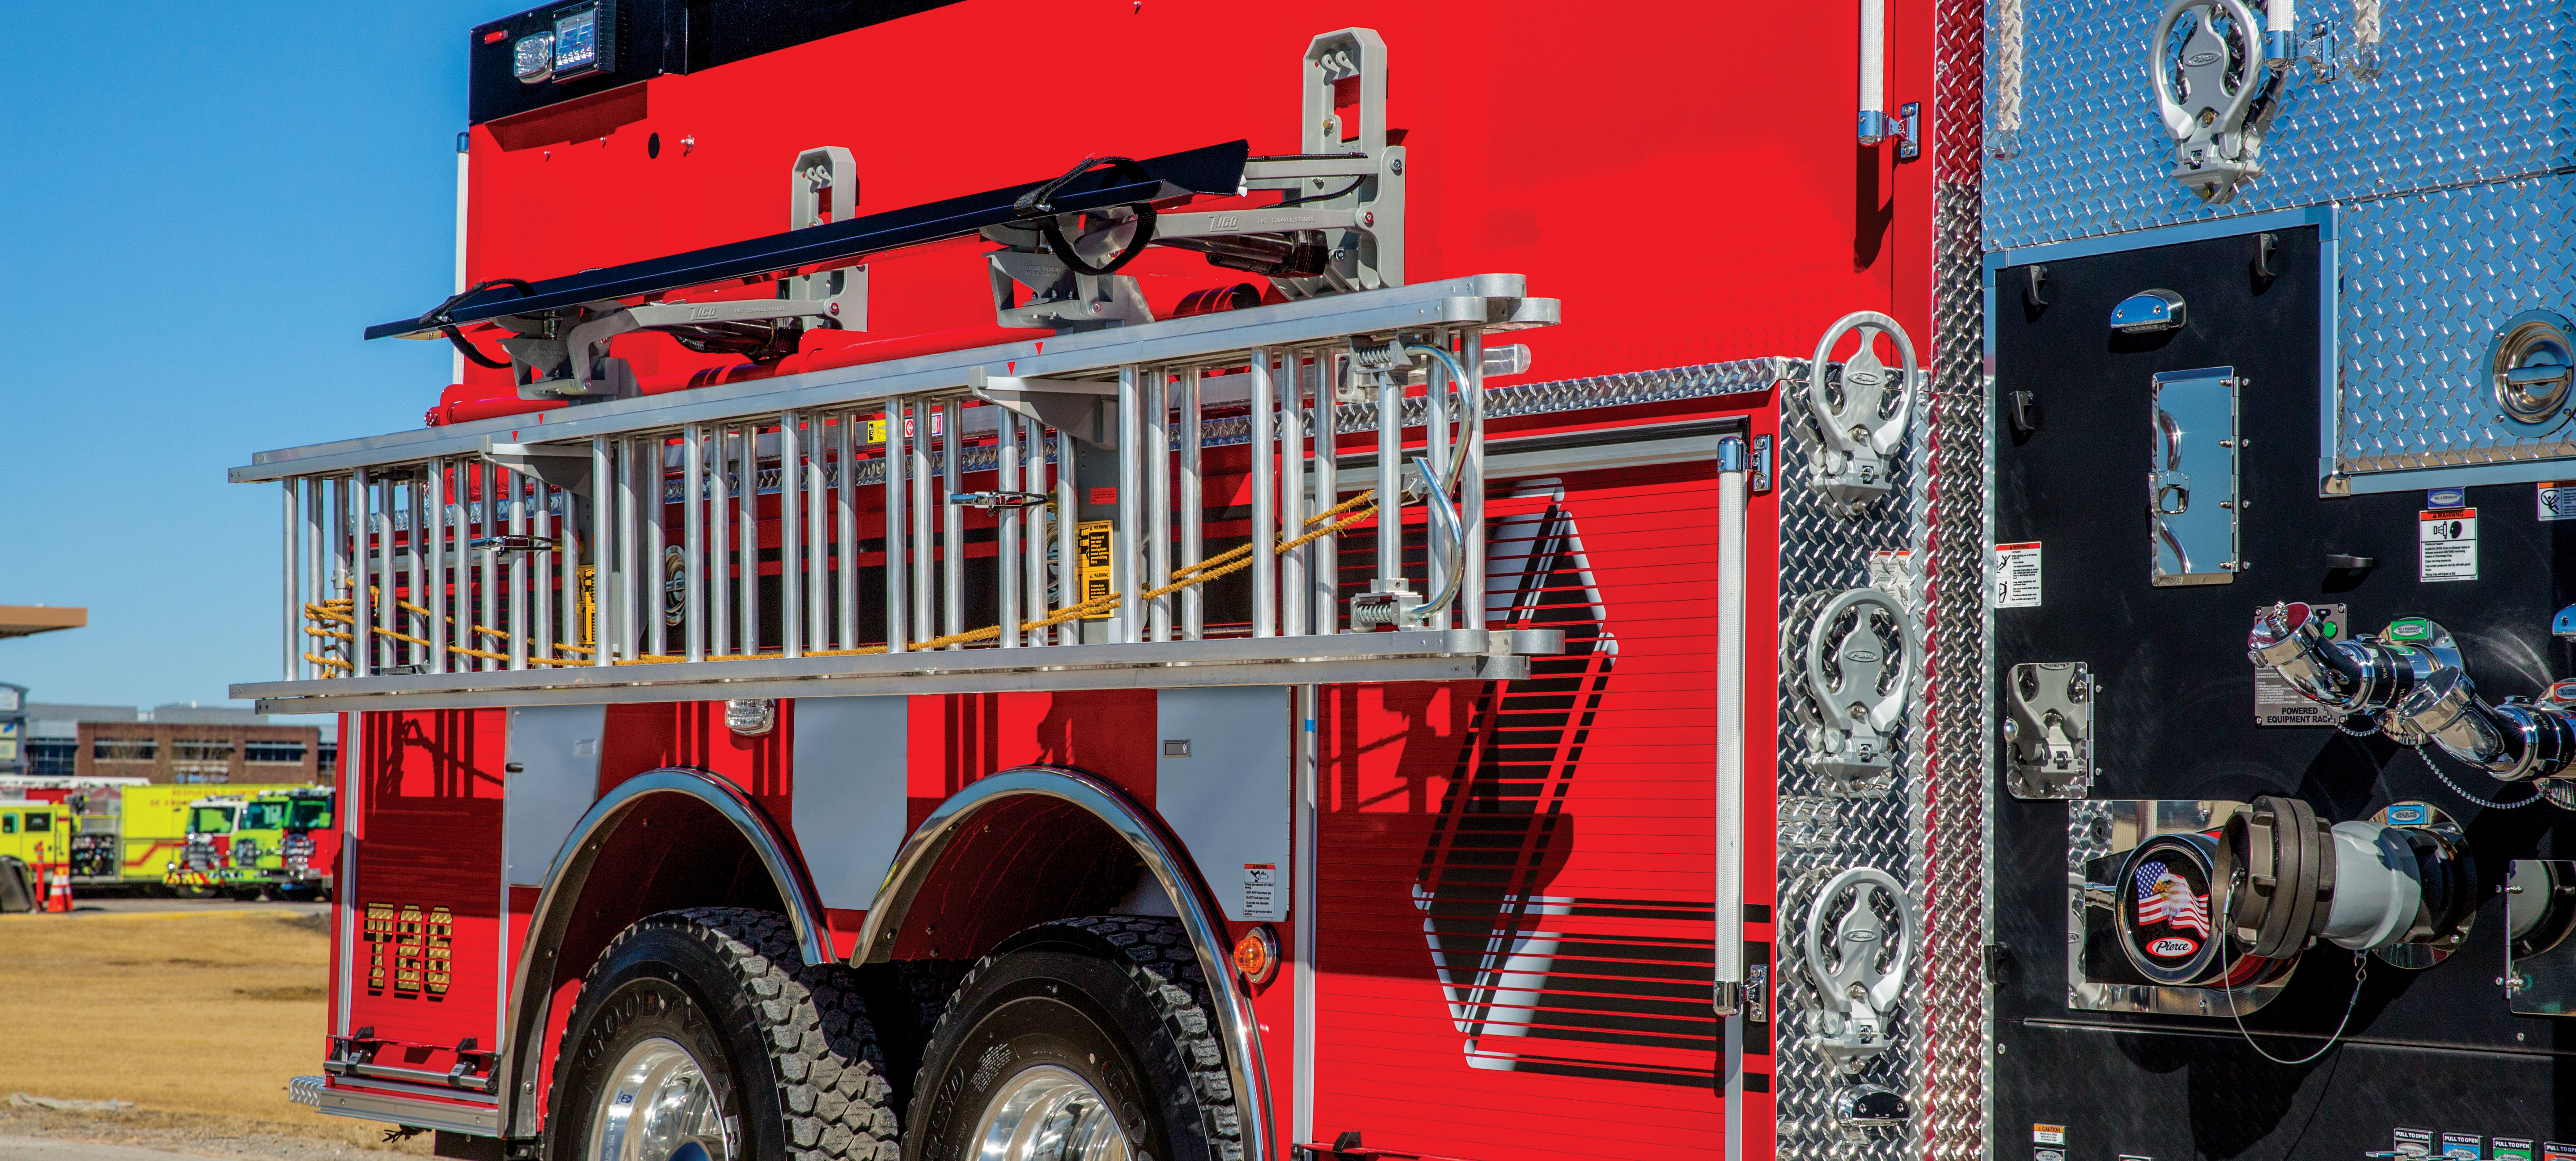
(2435, 1049)
(661, 36)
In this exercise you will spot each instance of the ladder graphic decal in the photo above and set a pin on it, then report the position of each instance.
(1539, 982)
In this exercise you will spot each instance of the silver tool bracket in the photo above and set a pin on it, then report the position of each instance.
(1859, 409)
(563, 354)
(2049, 727)
(1858, 948)
(2214, 93)
(1340, 227)
(1852, 660)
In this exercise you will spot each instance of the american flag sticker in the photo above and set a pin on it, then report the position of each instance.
(2163, 897)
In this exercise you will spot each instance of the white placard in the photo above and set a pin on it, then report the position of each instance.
(2446, 541)
(2017, 576)
(1261, 891)
(2557, 499)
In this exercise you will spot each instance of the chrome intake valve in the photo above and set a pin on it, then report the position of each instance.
(2412, 689)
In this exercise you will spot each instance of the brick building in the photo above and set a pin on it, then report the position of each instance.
(177, 744)
(195, 752)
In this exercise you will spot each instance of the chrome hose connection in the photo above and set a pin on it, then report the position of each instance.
(2514, 742)
(2361, 678)
(2414, 694)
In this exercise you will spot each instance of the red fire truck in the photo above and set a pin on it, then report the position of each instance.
(1416, 581)
(1300, 594)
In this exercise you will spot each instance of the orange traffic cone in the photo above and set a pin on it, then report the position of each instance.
(58, 899)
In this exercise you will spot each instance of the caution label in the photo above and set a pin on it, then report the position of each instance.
(587, 577)
(2558, 499)
(1091, 551)
(2447, 544)
(2017, 576)
(1261, 891)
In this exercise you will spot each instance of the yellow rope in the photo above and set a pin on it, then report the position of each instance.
(1225, 563)
(343, 610)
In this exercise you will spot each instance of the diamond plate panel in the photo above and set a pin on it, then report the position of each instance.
(2452, 170)
(1825, 548)
(1952, 804)
(2468, 93)
(2427, 279)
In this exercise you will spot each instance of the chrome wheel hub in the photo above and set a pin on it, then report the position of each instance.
(657, 1100)
(1048, 1113)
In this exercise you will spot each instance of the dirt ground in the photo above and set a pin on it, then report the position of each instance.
(198, 1018)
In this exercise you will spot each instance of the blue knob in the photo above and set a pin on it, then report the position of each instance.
(2563, 626)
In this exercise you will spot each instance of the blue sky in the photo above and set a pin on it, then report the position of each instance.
(200, 208)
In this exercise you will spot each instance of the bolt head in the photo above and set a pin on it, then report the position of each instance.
(1396, 166)
(1368, 219)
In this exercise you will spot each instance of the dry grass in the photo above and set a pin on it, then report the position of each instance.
(197, 1019)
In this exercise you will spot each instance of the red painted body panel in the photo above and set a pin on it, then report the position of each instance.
(1681, 176)
(430, 795)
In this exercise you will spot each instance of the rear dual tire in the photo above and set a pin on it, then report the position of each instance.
(1081, 1040)
(706, 1027)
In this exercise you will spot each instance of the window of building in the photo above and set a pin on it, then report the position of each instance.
(124, 749)
(273, 751)
(52, 758)
(202, 749)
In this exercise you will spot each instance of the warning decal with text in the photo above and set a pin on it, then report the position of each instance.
(2446, 541)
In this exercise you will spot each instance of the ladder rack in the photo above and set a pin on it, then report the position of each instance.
(526, 559)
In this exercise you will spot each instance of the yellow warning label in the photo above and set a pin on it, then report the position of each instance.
(876, 431)
(589, 598)
(1091, 548)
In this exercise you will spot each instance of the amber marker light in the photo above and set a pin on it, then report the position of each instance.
(1256, 956)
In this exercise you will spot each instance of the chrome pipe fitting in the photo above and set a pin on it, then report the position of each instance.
(2414, 694)
(2359, 678)
(2513, 742)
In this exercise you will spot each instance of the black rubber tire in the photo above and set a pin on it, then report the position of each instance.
(1116, 999)
(787, 1045)
(17, 887)
(905, 999)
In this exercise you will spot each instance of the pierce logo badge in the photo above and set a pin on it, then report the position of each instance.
(2172, 947)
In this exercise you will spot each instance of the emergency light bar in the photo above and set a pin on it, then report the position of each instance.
(1215, 170)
